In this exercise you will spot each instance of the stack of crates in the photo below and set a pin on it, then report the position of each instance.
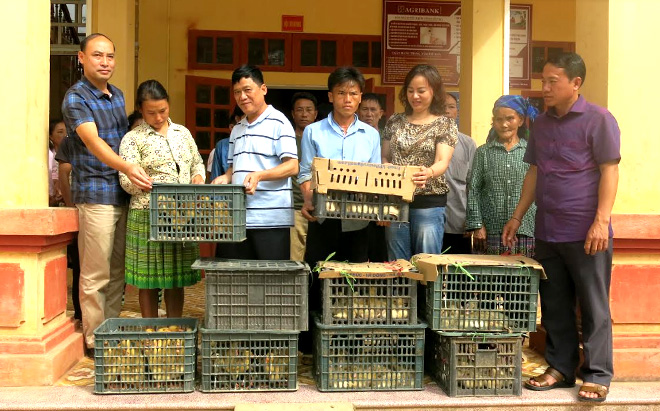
(254, 313)
(362, 191)
(145, 355)
(367, 337)
(477, 309)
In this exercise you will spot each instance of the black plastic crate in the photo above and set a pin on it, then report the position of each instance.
(475, 365)
(369, 301)
(360, 206)
(255, 295)
(145, 355)
(495, 299)
(368, 357)
(197, 212)
(249, 361)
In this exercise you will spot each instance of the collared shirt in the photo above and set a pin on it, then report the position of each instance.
(63, 154)
(456, 176)
(261, 145)
(92, 181)
(495, 186)
(172, 158)
(568, 151)
(326, 139)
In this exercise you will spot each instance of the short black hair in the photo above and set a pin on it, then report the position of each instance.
(133, 117)
(83, 43)
(304, 95)
(344, 75)
(452, 95)
(247, 71)
(150, 90)
(237, 112)
(373, 97)
(52, 123)
(572, 64)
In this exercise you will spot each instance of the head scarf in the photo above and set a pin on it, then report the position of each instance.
(519, 104)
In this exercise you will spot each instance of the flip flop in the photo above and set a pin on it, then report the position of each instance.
(599, 389)
(559, 377)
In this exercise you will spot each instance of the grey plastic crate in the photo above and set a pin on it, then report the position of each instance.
(255, 295)
(360, 206)
(369, 301)
(132, 356)
(249, 361)
(197, 212)
(498, 299)
(475, 365)
(369, 357)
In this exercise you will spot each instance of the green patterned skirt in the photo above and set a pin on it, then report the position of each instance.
(151, 264)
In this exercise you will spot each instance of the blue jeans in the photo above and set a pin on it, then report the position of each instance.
(423, 234)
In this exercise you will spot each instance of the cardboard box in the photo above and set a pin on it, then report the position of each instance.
(428, 263)
(354, 176)
(393, 269)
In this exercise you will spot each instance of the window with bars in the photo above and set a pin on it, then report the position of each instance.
(543, 50)
(68, 20)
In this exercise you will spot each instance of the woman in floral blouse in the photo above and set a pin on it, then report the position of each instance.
(421, 136)
(168, 153)
(497, 177)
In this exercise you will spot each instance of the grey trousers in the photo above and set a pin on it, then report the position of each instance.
(572, 273)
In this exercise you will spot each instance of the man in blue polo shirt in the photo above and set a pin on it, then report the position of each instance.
(262, 156)
(95, 117)
(340, 136)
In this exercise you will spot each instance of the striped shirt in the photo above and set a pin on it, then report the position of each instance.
(261, 145)
(92, 181)
(494, 188)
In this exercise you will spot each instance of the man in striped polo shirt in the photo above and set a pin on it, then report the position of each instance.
(262, 157)
(95, 117)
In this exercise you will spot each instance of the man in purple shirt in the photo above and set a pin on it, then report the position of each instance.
(573, 152)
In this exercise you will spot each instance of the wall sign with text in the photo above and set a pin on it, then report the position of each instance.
(429, 32)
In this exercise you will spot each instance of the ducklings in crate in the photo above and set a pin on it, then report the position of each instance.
(123, 364)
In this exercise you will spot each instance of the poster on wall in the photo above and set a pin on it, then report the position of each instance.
(416, 32)
(429, 32)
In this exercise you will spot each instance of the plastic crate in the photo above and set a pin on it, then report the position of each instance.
(360, 206)
(132, 356)
(249, 361)
(475, 365)
(369, 358)
(255, 295)
(369, 301)
(197, 212)
(361, 177)
(499, 298)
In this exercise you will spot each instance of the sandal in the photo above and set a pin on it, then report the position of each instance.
(599, 389)
(544, 385)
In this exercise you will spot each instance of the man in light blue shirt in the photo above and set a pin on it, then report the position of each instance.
(262, 155)
(340, 136)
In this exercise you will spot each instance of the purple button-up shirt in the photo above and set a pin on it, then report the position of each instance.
(567, 151)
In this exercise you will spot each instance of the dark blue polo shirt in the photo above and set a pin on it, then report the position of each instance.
(91, 180)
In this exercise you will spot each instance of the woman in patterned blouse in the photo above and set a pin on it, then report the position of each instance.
(168, 153)
(421, 136)
(497, 176)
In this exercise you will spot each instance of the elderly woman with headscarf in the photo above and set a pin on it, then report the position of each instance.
(497, 177)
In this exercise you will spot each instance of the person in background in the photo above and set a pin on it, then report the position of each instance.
(421, 136)
(262, 157)
(56, 133)
(220, 164)
(95, 116)
(573, 156)
(169, 154)
(497, 177)
(370, 112)
(304, 113)
(134, 119)
(62, 157)
(457, 240)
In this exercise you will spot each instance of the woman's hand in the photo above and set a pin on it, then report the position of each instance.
(479, 239)
(197, 179)
(421, 177)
